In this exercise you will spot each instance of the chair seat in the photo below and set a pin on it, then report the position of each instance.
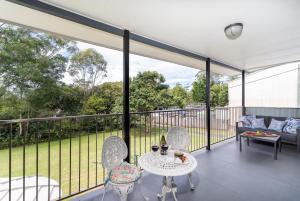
(124, 173)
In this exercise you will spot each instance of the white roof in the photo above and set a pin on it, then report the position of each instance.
(270, 36)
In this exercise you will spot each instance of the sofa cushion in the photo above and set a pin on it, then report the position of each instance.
(276, 125)
(291, 126)
(268, 119)
(258, 123)
(246, 120)
(286, 136)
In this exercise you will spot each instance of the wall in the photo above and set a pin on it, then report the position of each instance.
(273, 87)
(273, 111)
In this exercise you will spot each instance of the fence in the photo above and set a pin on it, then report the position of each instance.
(66, 151)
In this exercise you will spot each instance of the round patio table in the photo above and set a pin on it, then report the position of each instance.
(168, 167)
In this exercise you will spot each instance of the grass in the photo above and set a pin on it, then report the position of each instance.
(84, 151)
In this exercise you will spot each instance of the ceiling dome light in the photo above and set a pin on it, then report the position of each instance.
(233, 31)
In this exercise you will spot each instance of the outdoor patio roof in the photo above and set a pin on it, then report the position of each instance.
(270, 36)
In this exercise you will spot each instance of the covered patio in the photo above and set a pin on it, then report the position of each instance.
(189, 33)
(227, 174)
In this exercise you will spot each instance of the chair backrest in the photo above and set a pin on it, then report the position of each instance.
(114, 151)
(178, 138)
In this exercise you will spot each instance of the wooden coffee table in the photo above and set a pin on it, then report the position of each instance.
(275, 140)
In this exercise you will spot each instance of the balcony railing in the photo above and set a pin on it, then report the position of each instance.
(37, 155)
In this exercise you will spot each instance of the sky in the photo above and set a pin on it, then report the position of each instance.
(172, 72)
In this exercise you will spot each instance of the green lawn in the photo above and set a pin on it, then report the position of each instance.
(140, 143)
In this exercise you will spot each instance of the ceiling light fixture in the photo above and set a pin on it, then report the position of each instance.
(233, 31)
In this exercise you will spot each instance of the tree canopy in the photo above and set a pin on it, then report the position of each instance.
(87, 67)
(219, 90)
(33, 64)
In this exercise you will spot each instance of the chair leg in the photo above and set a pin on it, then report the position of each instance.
(192, 186)
(104, 193)
(140, 181)
(123, 190)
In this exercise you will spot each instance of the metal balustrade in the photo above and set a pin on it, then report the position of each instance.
(68, 149)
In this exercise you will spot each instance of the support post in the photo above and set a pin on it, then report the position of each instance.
(126, 115)
(243, 93)
(208, 102)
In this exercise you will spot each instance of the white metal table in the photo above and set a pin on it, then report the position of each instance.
(168, 167)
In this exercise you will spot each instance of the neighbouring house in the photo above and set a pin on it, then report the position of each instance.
(272, 87)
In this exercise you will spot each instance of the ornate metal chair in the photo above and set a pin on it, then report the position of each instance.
(178, 139)
(121, 175)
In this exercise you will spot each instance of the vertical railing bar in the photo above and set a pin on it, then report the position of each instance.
(49, 156)
(222, 125)
(88, 155)
(219, 126)
(103, 139)
(37, 163)
(155, 131)
(96, 171)
(225, 126)
(24, 156)
(190, 126)
(223, 116)
(178, 124)
(140, 134)
(199, 127)
(60, 133)
(70, 154)
(134, 134)
(171, 119)
(10, 157)
(117, 125)
(110, 125)
(205, 127)
(163, 122)
(195, 130)
(145, 134)
(226, 122)
(150, 130)
(79, 153)
(229, 115)
(167, 121)
(159, 126)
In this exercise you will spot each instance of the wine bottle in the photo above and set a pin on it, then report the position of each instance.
(162, 140)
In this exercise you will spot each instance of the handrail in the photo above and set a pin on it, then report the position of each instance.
(90, 116)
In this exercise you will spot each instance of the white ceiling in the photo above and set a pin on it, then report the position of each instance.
(45, 22)
(271, 27)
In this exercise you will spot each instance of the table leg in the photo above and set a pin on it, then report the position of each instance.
(248, 141)
(240, 143)
(275, 150)
(168, 187)
(280, 145)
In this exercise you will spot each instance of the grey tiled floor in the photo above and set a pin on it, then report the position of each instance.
(225, 174)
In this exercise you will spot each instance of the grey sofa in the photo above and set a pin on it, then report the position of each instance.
(285, 137)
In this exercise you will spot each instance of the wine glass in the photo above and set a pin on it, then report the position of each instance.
(154, 148)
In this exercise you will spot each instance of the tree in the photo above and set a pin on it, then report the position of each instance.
(219, 95)
(165, 99)
(31, 60)
(198, 90)
(87, 67)
(144, 89)
(180, 96)
(104, 99)
(219, 90)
